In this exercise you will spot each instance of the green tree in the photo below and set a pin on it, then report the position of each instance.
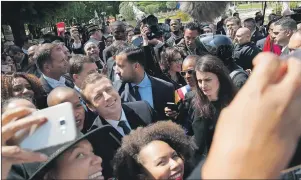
(171, 5)
(126, 11)
(151, 9)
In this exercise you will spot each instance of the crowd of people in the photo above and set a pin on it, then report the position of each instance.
(185, 102)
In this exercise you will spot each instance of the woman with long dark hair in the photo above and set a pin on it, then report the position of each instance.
(215, 91)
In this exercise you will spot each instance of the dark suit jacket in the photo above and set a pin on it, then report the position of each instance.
(163, 92)
(48, 88)
(138, 114)
(244, 54)
(256, 37)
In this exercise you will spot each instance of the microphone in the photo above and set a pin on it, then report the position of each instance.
(204, 11)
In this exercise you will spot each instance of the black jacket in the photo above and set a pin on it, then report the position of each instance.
(256, 36)
(203, 129)
(244, 55)
(162, 91)
(181, 81)
(138, 114)
(186, 113)
(240, 79)
(48, 88)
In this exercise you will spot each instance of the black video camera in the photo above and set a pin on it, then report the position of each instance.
(151, 22)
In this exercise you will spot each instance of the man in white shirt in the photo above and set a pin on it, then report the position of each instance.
(101, 97)
(53, 64)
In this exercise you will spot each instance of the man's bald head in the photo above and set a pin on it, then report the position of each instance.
(60, 95)
(243, 35)
(188, 66)
(295, 41)
(191, 60)
(13, 103)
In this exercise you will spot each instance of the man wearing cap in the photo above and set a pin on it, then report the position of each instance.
(96, 36)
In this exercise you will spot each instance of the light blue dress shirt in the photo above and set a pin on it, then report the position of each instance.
(145, 90)
(55, 83)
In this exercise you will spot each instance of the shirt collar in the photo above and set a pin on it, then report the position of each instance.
(144, 83)
(54, 83)
(283, 49)
(252, 33)
(77, 88)
(115, 123)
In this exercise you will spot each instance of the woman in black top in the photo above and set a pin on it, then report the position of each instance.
(214, 92)
(171, 64)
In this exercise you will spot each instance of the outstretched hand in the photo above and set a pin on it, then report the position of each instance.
(12, 122)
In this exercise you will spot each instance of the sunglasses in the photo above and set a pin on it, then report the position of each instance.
(190, 72)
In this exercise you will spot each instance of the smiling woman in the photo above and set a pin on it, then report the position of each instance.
(23, 85)
(154, 153)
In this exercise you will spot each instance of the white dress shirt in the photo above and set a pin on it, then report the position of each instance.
(114, 123)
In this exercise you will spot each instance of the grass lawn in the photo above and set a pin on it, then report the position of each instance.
(249, 6)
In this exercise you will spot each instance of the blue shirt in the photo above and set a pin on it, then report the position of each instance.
(145, 90)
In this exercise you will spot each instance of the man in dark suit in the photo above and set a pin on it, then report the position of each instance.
(52, 62)
(101, 97)
(136, 85)
(255, 34)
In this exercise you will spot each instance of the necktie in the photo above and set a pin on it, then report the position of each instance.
(136, 93)
(125, 128)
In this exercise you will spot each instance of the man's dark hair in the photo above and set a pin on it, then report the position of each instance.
(193, 26)
(287, 23)
(257, 13)
(236, 13)
(14, 49)
(134, 55)
(43, 54)
(250, 20)
(77, 62)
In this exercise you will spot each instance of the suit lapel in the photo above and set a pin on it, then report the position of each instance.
(155, 91)
(133, 119)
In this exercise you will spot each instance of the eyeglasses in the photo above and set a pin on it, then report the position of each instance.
(190, 72)
(179, 61)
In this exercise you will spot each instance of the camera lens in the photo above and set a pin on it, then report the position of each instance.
(62, 122)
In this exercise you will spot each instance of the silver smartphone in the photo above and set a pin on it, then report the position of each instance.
(59, 129)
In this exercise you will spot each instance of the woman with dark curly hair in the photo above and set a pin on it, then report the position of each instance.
(215, 91)
(171, 64)
(158, 151)
(23, 85)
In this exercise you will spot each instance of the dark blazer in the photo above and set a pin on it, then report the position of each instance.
(163, 92)
(48, 88)
(138, 114)
(244, 54)
(256, 37)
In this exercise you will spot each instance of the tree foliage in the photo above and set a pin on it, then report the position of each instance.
(151, 9)
(126, 11)
(171, 5)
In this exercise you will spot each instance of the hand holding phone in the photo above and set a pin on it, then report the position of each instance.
(59, 129)
(171, 110)
(13, 121)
